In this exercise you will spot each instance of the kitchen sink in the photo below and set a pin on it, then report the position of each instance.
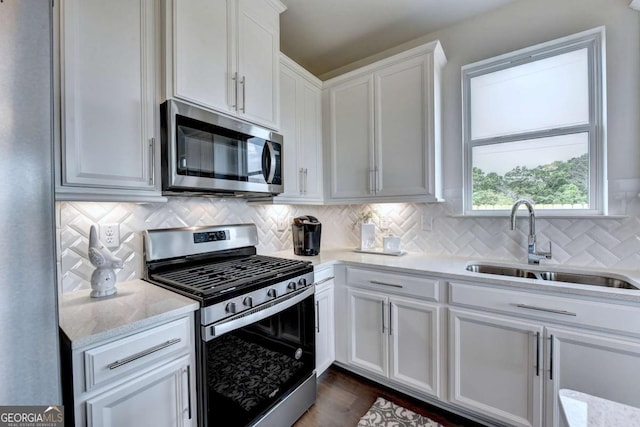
(556, 276)
(501, 270)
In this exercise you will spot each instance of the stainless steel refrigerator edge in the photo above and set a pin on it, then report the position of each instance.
(29, 347)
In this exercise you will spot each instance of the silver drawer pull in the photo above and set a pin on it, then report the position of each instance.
(548, 310)
(375, 282)
(143, 353)
(321, 281)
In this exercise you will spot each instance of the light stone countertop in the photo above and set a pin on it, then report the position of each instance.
(584, 410)
(454, 268)
(138, 304)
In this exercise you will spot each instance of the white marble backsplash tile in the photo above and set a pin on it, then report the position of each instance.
(594, 242)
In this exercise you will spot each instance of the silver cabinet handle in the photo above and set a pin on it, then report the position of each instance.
(547, 310)
(235, 98)
(305, 180)
(321, 281)
(382, 317)
(390, 318)
(375, 282)
(372, 189)
(300, 181)
(551, 357)
(187, 371)
(317, 316)
(243, 82)
(152, 160)
(375, 180)
(537, 354)
(143, 353)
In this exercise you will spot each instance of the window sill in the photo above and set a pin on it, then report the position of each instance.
(539, 215)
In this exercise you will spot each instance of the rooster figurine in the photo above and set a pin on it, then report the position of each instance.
(103, 279)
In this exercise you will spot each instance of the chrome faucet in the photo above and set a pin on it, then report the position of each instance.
(534, 256)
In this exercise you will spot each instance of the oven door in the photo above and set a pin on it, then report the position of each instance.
(253, 361)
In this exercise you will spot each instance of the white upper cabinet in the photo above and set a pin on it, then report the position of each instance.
(384, 131)
(300, 125)
(107, 117)
(224, 55)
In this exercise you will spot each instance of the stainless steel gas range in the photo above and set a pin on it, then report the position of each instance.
(255, 340)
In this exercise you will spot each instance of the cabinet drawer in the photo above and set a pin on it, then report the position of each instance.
(403, 284)
(323, 277)
(601, 315)
(130, 354)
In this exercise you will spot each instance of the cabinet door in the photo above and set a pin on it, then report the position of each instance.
(605, 367)
(414, 333)
(351, 138)
(325, 349)
(368, 344)
(300, 123)
(158, 398)
(201, 39)
(493, 367)
(310, 142)
(108, 75)
(289, 119)
(401, 135)
(258, 53)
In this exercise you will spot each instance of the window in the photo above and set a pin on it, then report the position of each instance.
(533, 128)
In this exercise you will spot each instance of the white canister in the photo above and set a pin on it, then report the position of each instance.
(391, 244)
(367, 236)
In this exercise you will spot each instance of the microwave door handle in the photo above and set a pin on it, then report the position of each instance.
(270, 168)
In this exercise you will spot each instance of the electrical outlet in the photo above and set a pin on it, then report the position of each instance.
(282, 223)
(110, 234)
(384, 223)
(427, 223)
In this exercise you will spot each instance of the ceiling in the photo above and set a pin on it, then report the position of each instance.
(323, 35)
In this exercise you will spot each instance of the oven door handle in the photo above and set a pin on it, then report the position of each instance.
(244, 319)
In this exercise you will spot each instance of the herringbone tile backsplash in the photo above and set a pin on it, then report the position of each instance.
(599, 242)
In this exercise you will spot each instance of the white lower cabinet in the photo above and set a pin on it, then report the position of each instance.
(495, 367)
(394, 337)
(325, 353)
(511, 366)
(146, 378)
(325, 321)
(158, 398)
(599, 365)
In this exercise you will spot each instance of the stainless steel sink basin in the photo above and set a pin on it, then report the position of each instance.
(586, 279)
(557, 276)
(501, 270)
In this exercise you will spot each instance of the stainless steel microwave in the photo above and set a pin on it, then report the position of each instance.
(204, 153)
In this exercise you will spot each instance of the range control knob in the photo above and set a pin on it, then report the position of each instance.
(302, 283)
(272, 293)
(248, 301)
(230, 308)
(291, 286)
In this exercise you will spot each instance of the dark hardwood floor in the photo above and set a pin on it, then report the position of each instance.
(344, 397)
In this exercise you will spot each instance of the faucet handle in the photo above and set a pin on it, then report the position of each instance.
(547, 255)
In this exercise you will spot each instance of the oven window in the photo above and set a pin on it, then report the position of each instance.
(252, 368)
(206, 150)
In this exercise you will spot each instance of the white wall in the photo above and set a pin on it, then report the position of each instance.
(527, 22)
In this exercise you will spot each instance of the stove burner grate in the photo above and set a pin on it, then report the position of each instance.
(218, 277)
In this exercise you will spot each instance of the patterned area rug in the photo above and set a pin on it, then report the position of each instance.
(388, 414)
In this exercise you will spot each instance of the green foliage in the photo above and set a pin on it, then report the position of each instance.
(560, 182)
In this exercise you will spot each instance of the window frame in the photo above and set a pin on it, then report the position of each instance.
(594, 41)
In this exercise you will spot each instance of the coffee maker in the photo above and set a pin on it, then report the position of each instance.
(306, 235)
